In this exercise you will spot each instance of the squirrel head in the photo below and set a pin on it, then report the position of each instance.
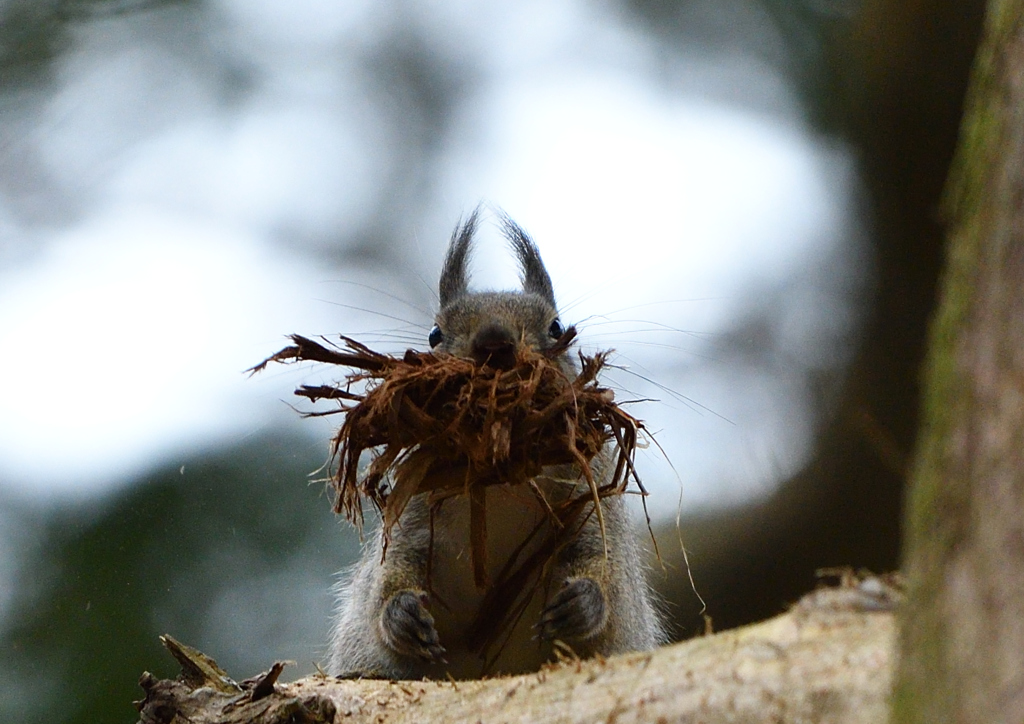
(490, 327)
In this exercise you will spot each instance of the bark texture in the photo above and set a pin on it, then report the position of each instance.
(962, 632)
(827, 660)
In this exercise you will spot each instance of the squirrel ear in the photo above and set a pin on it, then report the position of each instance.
(534, 275)
(454, 275)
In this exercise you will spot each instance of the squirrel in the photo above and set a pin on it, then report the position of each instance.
(408, 614)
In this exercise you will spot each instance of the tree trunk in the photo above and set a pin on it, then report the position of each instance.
(962, 632)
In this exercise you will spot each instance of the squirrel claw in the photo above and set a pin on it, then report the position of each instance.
(408, 628)
(577, 611)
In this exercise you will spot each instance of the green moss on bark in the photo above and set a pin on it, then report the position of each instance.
(938, 501)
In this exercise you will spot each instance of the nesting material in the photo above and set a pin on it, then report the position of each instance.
(446, 426)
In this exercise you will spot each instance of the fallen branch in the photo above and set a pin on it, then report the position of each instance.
(829, 659)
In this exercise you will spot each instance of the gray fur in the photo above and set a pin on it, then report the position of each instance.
(534, 276)
(454, 281)
(597, 605)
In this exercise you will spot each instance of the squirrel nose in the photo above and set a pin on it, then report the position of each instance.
(495, 346)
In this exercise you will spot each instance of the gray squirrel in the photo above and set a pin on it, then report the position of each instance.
(409, 614)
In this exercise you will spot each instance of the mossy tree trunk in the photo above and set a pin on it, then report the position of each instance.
(962, 632)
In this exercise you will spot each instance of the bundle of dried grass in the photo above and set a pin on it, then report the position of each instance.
(446, 426)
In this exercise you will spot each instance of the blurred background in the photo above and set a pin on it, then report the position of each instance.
(741, 197)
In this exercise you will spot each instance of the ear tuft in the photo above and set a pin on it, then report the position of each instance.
(454, 274)
(534, 276)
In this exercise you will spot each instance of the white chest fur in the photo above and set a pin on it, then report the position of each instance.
(517, 527)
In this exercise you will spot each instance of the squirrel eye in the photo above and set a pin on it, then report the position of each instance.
(556, 329)
(435, 337)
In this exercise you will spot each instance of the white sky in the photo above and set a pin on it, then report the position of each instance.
(124, 338)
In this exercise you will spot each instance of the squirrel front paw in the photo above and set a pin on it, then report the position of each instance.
(408, 628)
(577, 611)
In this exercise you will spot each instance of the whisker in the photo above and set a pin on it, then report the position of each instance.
(680, 397)
(669, 301)
(655, 326)
(369, 311)
(594, 292)
(398, 333)
(389, 295)
(430, 286)
(673, 347)
(589, 295)
(587, 319)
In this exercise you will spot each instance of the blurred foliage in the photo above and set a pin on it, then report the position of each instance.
(892, 83)
(114, 575)
(34, 32)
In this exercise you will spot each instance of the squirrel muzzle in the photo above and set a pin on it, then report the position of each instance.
(494, 345)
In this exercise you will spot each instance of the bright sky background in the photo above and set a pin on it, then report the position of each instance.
(666, 214)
